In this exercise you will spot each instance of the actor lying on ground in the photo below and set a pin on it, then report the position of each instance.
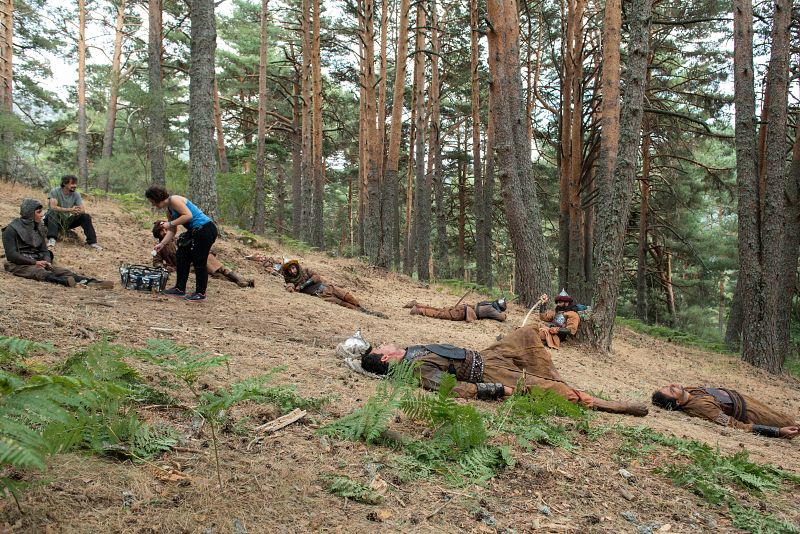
(27, 254)
(727, 407)
(495, 372)
(462, 312)
(561, 322)
(304, 280)
(166, 258)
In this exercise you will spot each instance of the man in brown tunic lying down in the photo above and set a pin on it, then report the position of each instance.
(462, 312)
(495, 372)
(727, 407)
(305, 280)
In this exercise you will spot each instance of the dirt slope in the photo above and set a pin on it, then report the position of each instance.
(275, 486)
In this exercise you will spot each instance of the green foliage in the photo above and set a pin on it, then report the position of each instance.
(460, 424)
(370, 421)
(344, 486)
(712, 341)
(754, 521)
(185, 363)
(13, 350)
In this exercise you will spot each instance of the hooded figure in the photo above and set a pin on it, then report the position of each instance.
(27, 255)
(24, 238)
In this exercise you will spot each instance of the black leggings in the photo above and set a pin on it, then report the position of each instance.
(195, 253)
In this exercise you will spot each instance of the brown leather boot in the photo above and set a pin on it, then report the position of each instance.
(410, 304)
(627, 408)
(236, 278)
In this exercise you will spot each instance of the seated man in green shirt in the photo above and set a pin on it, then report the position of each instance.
(66, 211)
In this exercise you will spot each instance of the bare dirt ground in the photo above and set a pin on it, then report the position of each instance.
(276, 486)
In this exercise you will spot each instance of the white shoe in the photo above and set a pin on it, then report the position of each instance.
(51, 243)
(96, 247)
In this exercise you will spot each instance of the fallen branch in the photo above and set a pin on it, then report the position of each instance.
(99, 303)
(276, 424)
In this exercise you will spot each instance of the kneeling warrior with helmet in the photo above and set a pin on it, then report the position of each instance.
(305, 280)
(518, 359)
(561, 322)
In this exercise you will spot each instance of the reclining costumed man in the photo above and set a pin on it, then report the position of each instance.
(493, 372)
(304, 280)
(462, 312)
(727, 407)
(166, 257)
(27, 254)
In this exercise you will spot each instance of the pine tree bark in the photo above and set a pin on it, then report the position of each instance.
(259, 211)
(610, 82)
(488, 195)
(761, 231)
(481, 239)
(280, 201)
(111, 113)
(317, 162)
(614, 209)
(441, 254)
(307, 184)
(792, 236)
(374, 242)
(513, 153)
(644, 213)
(222, 152)
(419, 127)
(202, 167)
(155, 127)
(391, 179)
(83, 156)
(297, 154)
(6, 91)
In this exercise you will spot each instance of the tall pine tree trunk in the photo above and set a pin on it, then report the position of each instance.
(83, 156)
(481, 244)
(391, 179)
(307, 184)
(111, 114)
(419, 141)
(259, 211)
(317, 163)
(441, 254)
(513, 152)
(155, 127)
(488, 195)
(202, 168)
(615, 201)
(644, 213)
(6, 91)
(297, 155)
(761, 231)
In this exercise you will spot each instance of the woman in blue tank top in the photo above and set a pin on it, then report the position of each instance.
(193, 245)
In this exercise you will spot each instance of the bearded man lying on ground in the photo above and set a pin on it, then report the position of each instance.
(493, 373)
(727, 407)
(27, 254)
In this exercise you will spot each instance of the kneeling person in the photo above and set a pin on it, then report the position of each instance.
(495, 372)
(27, 254)
(727, 407)
(166, 257)
(559, 323)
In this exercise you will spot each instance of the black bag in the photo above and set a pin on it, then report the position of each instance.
(143, 278)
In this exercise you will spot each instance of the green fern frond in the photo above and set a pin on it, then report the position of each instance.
(344, 486)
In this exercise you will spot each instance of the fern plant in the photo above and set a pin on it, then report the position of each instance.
(13, 350)
(185, 363)
(352, 489)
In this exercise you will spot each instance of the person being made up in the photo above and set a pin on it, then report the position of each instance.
(66, 211)
(559, 323)
(27, 254)
(727, 407)
(495, 372)
(462, 312)
(305, 280)
(193, 245)
(166, 258)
